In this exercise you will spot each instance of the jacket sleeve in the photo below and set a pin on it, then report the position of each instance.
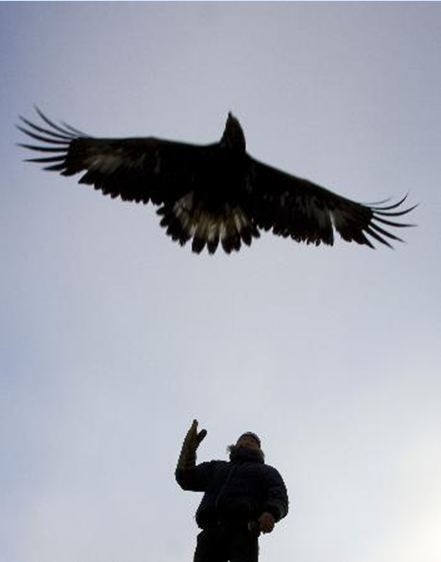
(276, 501)
(196, 478)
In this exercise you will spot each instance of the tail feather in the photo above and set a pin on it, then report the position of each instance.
(188, 219)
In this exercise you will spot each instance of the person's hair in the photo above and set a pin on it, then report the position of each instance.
(231, 449)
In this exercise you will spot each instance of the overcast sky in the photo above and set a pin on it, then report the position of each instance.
(113, 338)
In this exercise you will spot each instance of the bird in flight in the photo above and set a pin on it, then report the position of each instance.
(213, 194)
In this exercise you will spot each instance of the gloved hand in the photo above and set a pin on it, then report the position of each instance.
(193, 438)
(266, 522)
(187, 458)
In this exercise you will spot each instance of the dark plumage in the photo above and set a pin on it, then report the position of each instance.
(211, 194)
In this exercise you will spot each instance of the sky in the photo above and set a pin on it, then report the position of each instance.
(113, 338)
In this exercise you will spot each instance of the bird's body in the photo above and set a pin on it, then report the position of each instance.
(211, 194)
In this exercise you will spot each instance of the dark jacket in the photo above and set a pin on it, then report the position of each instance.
(236, 491)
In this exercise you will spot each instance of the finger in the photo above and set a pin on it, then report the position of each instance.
(201, 435)
(192, 431)
(194, 427)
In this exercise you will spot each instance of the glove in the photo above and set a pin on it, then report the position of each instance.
(187, 458)
(266, 522)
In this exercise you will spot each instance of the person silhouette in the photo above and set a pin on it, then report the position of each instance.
(243, 497)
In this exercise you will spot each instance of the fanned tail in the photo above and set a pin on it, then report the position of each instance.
(187, 220)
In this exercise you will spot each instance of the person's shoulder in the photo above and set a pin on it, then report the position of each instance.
(219, 463)
(271, 470)
(214, 464)
(218, 468)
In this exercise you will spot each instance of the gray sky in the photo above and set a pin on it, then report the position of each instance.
(113, 338)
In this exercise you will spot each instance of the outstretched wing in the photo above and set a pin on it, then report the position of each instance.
(306, 212)
(210, 193)
(135, 169)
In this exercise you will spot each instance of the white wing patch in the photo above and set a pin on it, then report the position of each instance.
(188, 218)
(197, 220)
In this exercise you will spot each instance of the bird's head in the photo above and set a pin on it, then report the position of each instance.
(233, 137)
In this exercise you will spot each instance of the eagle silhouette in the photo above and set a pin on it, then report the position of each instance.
(211, 194)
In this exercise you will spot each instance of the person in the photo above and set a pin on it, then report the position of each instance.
(242, 498)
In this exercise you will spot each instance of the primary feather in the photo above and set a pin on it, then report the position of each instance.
(211, 194)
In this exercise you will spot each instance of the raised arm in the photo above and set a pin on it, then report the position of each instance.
(188, 475)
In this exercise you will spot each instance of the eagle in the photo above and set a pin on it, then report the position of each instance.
(214, 194)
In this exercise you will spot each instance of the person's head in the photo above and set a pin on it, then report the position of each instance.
(248, 439)
(248, 444)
